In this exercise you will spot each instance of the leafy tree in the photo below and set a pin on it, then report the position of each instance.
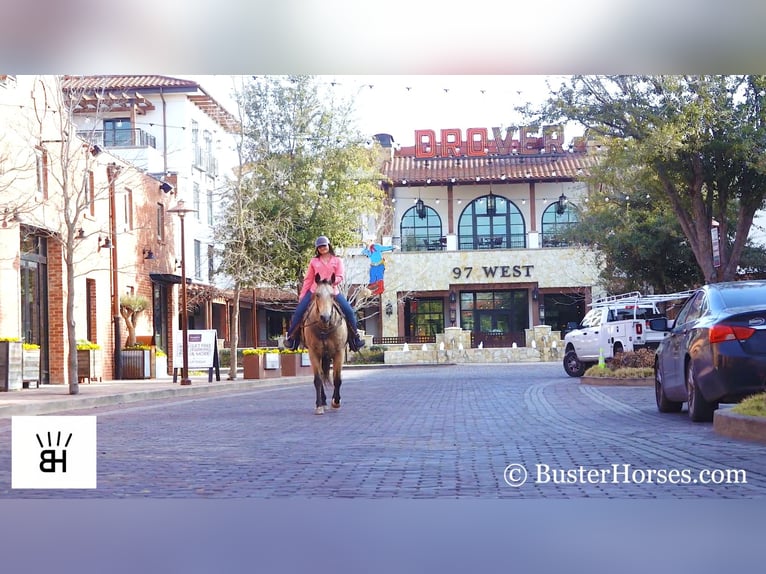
(309, 169)
(697, 141)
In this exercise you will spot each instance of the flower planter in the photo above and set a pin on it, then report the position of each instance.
(86, 365)
(31, 368)
(295, 364)
(10, 366)
(261, 366)
(137, 363)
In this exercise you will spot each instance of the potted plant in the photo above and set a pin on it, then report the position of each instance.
(30, 365)
(137, 359)
(87, 353)
(295, 363)
(10, 364)
(261, 363)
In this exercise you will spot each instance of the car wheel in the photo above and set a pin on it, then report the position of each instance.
(700, 411)
(573, 365)
(617, 349)
(664, 405)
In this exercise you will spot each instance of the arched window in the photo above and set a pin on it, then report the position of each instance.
(504, 229)
(421, 233)
(555, 222)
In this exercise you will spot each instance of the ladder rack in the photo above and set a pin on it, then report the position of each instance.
(635, 298)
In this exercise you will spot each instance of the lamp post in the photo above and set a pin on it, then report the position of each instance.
(181, 210)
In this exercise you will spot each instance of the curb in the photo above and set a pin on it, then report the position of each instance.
(617, 382)
(737, 426)
(67, 402)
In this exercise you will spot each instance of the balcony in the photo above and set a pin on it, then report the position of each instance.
(128, 137)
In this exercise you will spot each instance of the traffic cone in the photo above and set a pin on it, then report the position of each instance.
(601, 362)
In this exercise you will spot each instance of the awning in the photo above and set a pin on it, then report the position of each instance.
(168, 278)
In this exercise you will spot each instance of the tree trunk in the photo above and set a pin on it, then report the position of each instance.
(234, 334)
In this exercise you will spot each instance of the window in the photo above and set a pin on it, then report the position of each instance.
(477, 229)
(196, 201)
(160, 222)
(210, 207)
(128, 208)
(555, 223)
(41, 158)
(118, 132)
(197, 259)
(424, 317)
(421, 234)
(210, 262)
(90, 194)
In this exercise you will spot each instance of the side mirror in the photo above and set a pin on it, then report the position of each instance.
(659, 324)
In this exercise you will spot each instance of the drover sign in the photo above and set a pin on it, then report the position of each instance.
(478, 143)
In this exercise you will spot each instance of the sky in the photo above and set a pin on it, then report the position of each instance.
(400, 104)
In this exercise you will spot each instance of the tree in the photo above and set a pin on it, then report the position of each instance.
(308, 167)
(699, 141)
(131, 307)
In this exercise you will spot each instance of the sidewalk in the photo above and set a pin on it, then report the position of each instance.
(49, 399)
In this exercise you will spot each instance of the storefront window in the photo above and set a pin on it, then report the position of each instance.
(421, 234)
(424, 317)
(478, 229)
(496, 317)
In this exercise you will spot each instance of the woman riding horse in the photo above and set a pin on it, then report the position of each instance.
(326, 264)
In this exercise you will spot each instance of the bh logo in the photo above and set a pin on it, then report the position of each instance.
(53, 452)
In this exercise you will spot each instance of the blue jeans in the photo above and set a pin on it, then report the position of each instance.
(303, 304)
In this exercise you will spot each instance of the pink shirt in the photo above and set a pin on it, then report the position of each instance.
(325, 269)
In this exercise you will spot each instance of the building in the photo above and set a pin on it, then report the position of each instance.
(76, 221)
(172, 128)
(477, 218)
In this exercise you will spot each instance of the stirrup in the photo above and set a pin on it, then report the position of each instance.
(355, 342)
(293, 343)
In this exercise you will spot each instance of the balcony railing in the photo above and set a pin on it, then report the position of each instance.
(128, 137)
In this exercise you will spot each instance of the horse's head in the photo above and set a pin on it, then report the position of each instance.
(324, 296)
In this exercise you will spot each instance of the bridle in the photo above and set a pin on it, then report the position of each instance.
(324, 329)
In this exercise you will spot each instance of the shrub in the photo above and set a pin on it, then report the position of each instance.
(30, 347)
(367, 356)
(622, 373)
(643, 358)
(754, 406)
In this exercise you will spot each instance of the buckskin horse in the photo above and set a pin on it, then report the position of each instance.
(324, 335)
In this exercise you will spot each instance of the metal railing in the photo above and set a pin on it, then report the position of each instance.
(127, 137)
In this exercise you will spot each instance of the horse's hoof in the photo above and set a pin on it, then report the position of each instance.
(335, 405)
(319, 411)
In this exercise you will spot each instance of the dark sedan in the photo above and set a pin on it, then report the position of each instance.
(715, 351)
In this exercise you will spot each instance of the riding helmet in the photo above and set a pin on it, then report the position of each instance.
(321, 240)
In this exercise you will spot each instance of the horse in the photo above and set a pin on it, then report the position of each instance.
(324, 335)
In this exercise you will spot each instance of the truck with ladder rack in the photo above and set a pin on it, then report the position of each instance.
(615, 324)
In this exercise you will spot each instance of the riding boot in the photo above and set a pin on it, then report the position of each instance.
(294, 341)
(355, 342)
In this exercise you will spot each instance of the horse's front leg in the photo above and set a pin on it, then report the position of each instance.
(337, 365)
(321, 399)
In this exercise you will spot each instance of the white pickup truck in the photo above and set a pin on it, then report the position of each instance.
(615, 324)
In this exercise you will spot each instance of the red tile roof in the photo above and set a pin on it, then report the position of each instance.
(122, 83)
(508, 168)
(123, 90)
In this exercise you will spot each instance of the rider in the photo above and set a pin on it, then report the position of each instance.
(325, 263)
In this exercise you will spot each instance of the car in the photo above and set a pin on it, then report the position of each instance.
(715, 349)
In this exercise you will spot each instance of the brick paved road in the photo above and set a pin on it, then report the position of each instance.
(423, 432)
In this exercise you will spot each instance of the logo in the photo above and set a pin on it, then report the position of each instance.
(53, 452)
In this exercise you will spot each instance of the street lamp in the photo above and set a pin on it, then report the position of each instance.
(181, 210)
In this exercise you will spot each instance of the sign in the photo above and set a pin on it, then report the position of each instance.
(477, 142)
(716, 246)
(203, 349)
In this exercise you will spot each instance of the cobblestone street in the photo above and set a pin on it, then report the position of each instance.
(420, 432)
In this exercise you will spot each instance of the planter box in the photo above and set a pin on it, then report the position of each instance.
(295, 364)
(10, 366)
(261, 366)
(137, 363)
(161, 366)
(87, 367)
(617, 382)
(31, 368)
